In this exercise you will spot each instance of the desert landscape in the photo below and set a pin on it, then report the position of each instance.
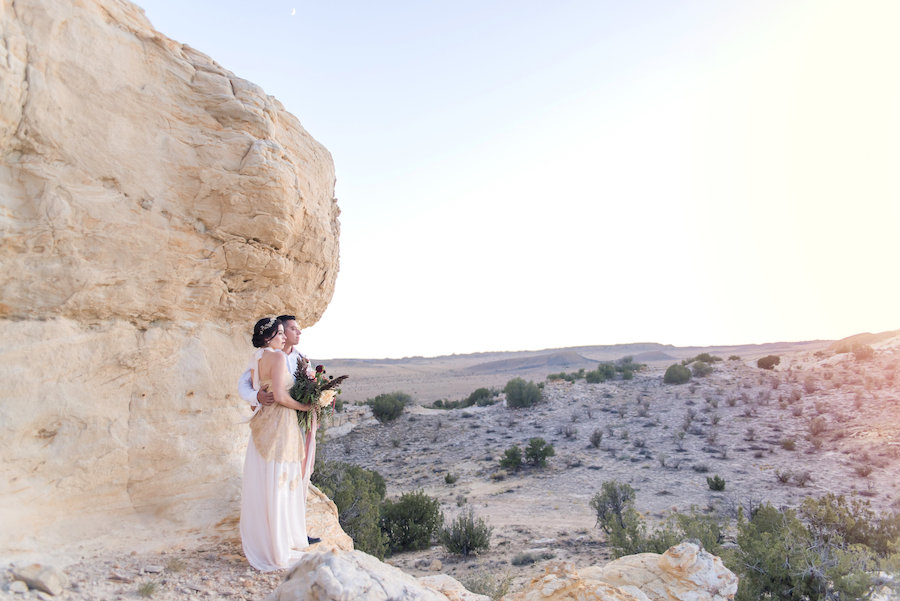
(821, 421)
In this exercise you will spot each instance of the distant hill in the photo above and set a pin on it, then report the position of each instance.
(551, 361)
(845, 345)
(653, 356)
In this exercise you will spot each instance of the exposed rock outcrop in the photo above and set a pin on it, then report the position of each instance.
(152, 206)
(357, 575)
(683, 573)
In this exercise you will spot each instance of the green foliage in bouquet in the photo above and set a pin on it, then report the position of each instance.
(308, 391)
(411, 522)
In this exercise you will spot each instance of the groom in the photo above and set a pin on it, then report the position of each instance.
(265, 397)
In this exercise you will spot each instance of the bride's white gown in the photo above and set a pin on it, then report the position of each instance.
(273, 508)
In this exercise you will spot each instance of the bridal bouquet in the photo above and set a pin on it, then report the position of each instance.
(314, 389)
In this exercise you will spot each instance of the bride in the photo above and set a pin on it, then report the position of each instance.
(273, 514)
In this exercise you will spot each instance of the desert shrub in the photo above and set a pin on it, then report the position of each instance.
(596, 438)
(617, 517)
(831, 517)
(627, 534)
(701, 369)
(490, 584)
(520, 393)
(788, 444)
(512, 459)
(734, 358)
(466, 534)
(817, 426)
(357, 493)
(450, 478)
(778, 557)
(677, 374)
(715, 483)
(537, 452)
(768, 362)
(626, 366)
(707, 358)
(411, 522)
(604, 372)
(863, 470)
(568, 377)
(388, 406)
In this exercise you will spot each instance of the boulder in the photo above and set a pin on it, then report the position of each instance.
(343, 575)
(153, 205)
(685, 572)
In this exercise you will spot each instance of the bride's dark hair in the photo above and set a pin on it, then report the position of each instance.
(264, 330)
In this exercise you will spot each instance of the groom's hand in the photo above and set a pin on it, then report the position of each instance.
(265, 397)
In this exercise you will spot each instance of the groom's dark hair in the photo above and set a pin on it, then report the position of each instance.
(284, 318)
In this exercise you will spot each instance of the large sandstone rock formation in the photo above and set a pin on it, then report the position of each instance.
(683, 573)
(152, 206)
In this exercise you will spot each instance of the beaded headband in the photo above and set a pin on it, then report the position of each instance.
(266, 325)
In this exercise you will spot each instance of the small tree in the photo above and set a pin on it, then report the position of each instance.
(388, 406)
(512, 459)
(520, 393)
(411, 522)
(537, 451)
(466, 534)
(768, 362)
(715, 483)
(677, 374)
(357, 493)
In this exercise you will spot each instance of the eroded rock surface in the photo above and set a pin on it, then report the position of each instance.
(153, 205)
(683, 573)
(357, 575)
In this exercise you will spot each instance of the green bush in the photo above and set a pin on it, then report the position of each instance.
(388, 406)
(734, 358)
(778, 557)
(854, 522)
(768, 362)
(466, 534)
(520, 393)
(411, 522)
(715, 483)
(357, 493)
(701, 369)
(512, 459)
(537, 452)
(831, 554)
(677, 374)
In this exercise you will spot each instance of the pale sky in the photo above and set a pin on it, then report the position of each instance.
(520, 175)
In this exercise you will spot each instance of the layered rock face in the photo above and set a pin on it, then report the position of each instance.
(152, 206)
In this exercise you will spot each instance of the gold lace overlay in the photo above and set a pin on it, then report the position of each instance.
(276, 434)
